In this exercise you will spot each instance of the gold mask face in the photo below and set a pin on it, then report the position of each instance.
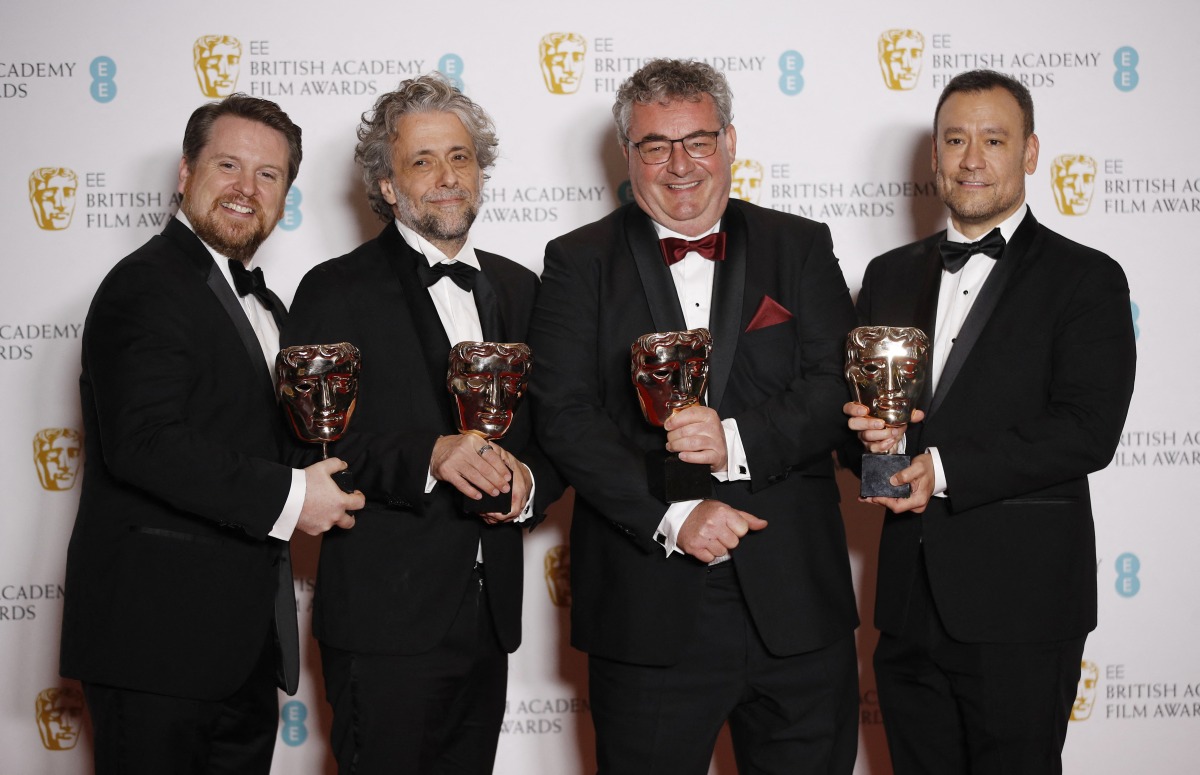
(487, 379)
(56, 455)
(900, 56)
(217, 60)
(886, 369)
(52, 194)
(1073, 179)
(318, 386)
(562, 61)
(670, 371)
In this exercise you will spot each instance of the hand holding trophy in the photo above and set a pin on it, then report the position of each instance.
(670, 372)
(487, 379)
(318, 387)
(886, 368)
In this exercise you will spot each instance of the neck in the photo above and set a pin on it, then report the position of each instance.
(973, 230)
(449, 247)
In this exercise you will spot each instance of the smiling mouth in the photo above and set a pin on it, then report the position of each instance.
(238, 208)
(683, 186)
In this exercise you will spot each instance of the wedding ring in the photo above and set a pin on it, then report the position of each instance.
(483, 449)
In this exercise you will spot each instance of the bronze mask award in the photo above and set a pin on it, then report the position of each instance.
(670, 372)
(487, 379)
(318, 386)
(886, 369)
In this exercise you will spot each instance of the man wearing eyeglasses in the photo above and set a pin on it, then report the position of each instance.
(738, 607)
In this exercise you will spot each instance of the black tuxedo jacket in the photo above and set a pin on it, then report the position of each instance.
(605, 285)
(171, 577)
(1032, 399)
(392, 583)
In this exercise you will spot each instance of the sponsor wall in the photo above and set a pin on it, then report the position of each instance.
(833, 104)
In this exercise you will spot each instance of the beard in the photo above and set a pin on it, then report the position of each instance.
(236, 240)
(438, 226)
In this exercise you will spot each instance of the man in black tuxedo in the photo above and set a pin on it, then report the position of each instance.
(738, 607)
(987, 572)
(417, 608)
(180, 615)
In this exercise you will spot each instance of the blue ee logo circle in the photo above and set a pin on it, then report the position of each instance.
(451, 66)
(293, 732)
(1126, 76)
(1128, 566)
(104, 88)
(291, 210)
(791, 82)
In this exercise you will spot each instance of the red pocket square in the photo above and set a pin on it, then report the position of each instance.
(770, 313)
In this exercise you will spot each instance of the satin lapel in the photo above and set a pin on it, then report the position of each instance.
(488, 305)
(725, 319)
(981, 310)
(925, 310)
(657, 284)
(435, 345)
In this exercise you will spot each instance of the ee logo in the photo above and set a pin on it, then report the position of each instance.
(451, 66)
(104, 88)
(1126, 76)
(1133, 308)
(1128, 583)
(293, 732)
(291, 210)
(791, 82)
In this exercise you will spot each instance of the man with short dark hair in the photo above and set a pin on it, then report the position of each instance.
(418, 607)
(987, 574)
(738, 607)
(180, 614)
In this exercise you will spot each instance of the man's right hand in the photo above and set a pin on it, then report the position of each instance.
(325, 505)
(457, 460)
(876, 437)
(713, 529)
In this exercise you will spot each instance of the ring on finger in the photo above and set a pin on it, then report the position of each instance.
(484, 448)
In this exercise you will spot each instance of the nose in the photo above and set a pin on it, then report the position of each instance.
(246, 184)
(892, 381)
(680, 163)
(492, 395)
(324, 397)
(972, 158)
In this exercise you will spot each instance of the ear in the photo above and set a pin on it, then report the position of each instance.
(184, 173)
(731, 141)
(389, 194)
(1032, 146)
(933, 159)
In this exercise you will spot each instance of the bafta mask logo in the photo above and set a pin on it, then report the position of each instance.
(52, 195)
(558, 575)
(217, 59)
(562, 58)
(318, 386)
(487, 379)
(59, 715)
(1073, 178)
(1085, 698)
(56, 453)
(670, 371)
(900, 54)
(747, 182)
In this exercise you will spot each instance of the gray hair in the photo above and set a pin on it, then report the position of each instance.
(431, 93)
(670, 80)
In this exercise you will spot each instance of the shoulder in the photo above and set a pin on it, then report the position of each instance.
(601, 232)
(906, 258)
(363, 265)
(505, 269)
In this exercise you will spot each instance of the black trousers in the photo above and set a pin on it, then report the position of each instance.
(434, 713)
(795, 714)
(958, 708)
(138, 733)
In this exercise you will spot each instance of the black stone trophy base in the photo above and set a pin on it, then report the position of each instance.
(345, 480)
(877, 470)
(671, 480)
(489, 504)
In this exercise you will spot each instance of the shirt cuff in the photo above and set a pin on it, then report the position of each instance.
(939, 473)
(286, 524)
(672, 522)
(527, 512)
(737, 467)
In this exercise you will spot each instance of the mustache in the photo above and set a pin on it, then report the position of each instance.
(441, 195)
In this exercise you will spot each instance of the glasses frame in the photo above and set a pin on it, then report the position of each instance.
(682, 142)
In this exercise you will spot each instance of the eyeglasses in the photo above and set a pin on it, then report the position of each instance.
(698, 145)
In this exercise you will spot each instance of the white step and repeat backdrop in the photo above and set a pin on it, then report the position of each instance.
(833, 103)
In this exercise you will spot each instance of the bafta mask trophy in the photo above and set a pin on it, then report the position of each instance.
(670, 372)
(886, 369)
(318, 386)
(487, 379)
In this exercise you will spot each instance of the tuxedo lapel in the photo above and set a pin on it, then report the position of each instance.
(657, 284)
(925, 310)
(725, 318)
(487, 304)
(435, 345)
(198, 256)
(981, 310)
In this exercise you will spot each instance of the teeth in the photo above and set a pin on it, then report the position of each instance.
(682, 186)
(237, 208)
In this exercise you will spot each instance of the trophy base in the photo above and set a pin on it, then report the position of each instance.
(671, 480)
(489, 504)
(344, 480)
(877, 470)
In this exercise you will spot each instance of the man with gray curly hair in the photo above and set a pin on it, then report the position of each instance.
(416, 616)
(738, 607)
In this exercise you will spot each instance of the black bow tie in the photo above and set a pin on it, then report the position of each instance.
(247, 282)
(955, 254)
(711, 247)
(462, 275)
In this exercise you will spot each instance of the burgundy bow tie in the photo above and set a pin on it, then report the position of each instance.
(711, 247)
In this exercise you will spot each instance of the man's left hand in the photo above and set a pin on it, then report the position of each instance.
(920, 475)
(697, 435)
(521, 484)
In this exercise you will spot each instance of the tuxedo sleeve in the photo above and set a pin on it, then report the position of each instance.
(801, 424)
(1088, 386)
(605, 467)
(161, 387)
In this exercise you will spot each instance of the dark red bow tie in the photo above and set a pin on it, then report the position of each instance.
(711, 247)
